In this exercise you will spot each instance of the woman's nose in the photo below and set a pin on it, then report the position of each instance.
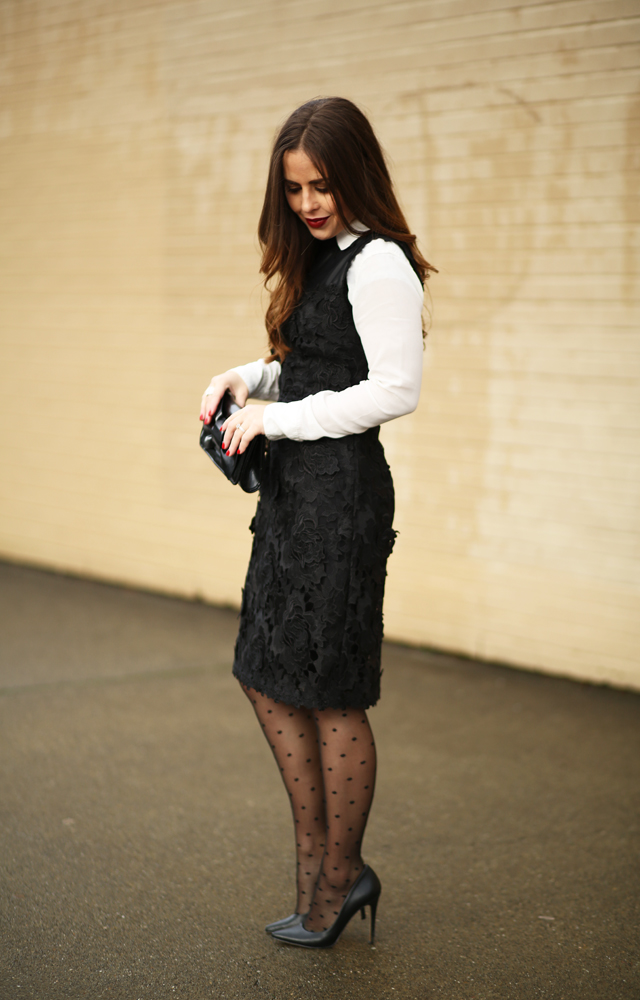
(309, 200)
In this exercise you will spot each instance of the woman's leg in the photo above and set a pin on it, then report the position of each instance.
(348, 756)
(293, 738)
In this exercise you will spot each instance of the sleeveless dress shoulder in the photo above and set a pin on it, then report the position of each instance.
(311, 615)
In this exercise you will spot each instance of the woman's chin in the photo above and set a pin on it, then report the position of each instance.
(324, 232)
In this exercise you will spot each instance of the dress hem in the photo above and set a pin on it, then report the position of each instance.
(262, 689)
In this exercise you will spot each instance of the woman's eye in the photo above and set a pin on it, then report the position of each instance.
(290, 189)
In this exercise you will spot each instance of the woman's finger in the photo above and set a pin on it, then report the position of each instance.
(240, 436)
(228, 428)
(210, 402)
(230, 424)
(247, 438)
(240, 429)
(235, 441)
(231, 432)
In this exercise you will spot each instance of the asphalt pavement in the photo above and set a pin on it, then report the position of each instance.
(145, 835)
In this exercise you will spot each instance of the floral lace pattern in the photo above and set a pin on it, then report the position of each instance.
(311, 616)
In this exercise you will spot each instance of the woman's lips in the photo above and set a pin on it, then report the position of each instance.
(317, 223)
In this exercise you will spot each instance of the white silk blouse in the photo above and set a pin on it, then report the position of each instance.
(387, 298)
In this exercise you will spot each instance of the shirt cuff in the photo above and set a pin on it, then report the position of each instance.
(251, 375)
(295, 421)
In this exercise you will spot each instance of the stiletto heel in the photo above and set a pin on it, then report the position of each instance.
(364, 892)
(363, 913)
(373, 907)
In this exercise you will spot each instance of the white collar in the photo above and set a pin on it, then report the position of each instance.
(345, 238)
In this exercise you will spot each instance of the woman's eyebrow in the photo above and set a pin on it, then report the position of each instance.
(316, 180)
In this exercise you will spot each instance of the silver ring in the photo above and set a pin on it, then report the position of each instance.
(239, 427)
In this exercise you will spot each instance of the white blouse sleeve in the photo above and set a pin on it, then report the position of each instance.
(262, 379)
(387, 299)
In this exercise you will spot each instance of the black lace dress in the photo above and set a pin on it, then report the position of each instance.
(311, 616)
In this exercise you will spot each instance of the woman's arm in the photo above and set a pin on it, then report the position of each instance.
(262, 379)
(387, 310)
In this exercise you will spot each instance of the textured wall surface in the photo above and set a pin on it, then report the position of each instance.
(134, 140)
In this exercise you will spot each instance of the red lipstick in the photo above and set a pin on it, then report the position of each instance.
(317, 223)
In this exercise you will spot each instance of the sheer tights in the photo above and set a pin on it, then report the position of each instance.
(327, 760)
(293, 738)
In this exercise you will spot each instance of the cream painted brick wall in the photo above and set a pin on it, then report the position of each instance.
(134, 141)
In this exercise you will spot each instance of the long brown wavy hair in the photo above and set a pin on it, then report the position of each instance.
(340, 142)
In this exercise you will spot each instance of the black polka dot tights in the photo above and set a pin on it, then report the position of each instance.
(327, 760)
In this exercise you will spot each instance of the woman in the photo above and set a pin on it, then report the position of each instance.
(345, 331)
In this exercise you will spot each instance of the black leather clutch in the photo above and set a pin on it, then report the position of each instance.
(245, 469)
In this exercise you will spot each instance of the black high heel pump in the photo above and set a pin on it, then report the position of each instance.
(295, 918)
(365, 891)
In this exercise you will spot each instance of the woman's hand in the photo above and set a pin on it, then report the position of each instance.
(241, 428)
(211, 400)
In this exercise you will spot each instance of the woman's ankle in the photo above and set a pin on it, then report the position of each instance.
(308, 873)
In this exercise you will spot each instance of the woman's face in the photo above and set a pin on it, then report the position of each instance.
(309, 197)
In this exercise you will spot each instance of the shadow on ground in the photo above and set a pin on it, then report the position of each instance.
(146, 841)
